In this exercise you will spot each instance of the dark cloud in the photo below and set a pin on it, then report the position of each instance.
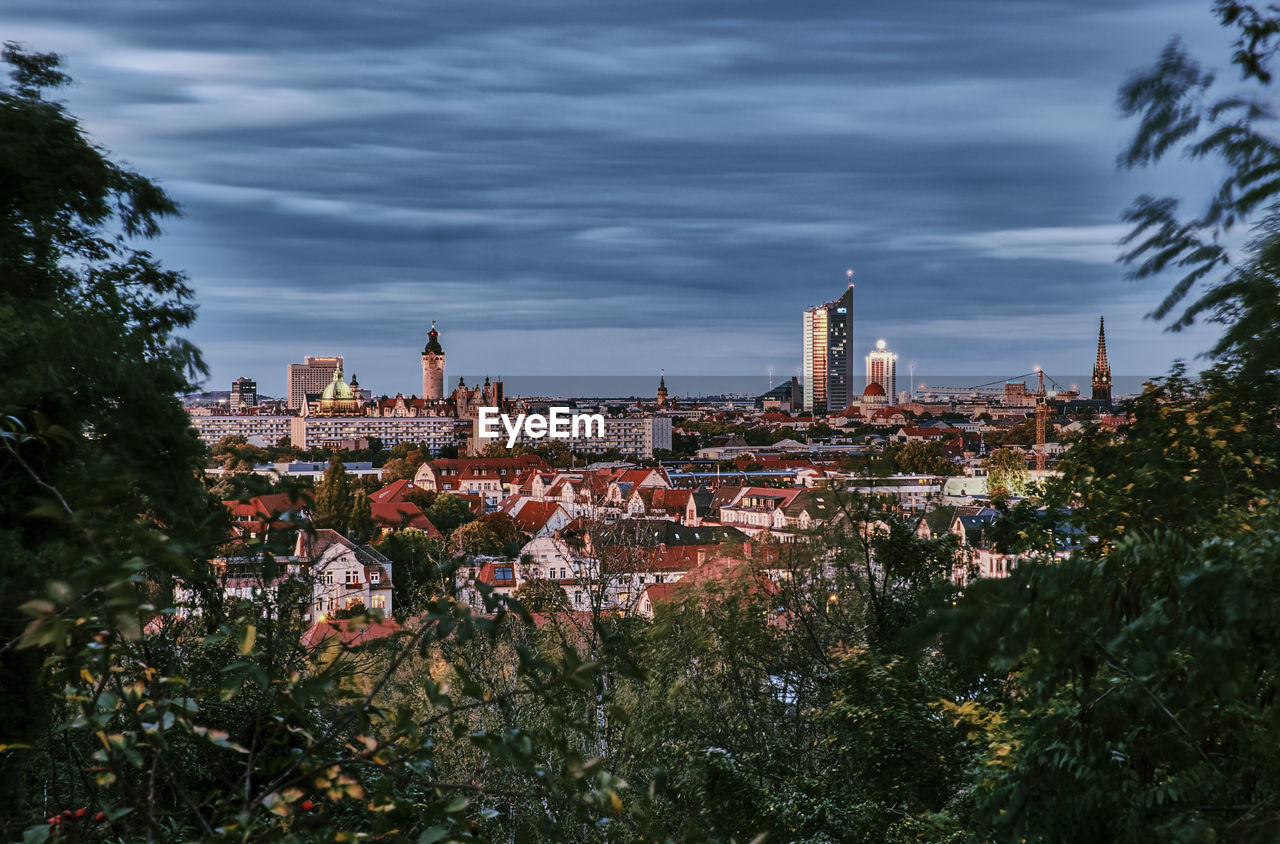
(577, 186)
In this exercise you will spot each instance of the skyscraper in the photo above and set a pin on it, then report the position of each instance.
(1102, 369)
(882, 369)
(828, 354)
(433, 366)
(244, 394)
(310, 376)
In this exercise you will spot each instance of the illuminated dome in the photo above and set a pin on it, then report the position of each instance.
(338, 397)
(874, 394)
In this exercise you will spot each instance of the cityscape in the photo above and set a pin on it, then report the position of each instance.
(773, 423)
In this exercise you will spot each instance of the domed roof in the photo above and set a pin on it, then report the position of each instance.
(433, 341)
(873, 389)
(337, 389)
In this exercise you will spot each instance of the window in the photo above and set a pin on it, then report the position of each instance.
(375, 576)
(577, 598)
(327, 578)
(504, 572)
(379, 602)
(352, 577)
(562, 573)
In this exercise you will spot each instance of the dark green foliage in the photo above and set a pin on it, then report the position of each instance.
(334, 498)
(88, 413)
(448, 512)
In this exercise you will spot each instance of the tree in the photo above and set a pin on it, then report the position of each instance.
(472, 539)
(540, 595)
(93, 360)
(420, 569)
(448, 512)
(1174, 110)
(1007, 468)
(333, 497)
(360, 526)
(916, 458)
(506, 531)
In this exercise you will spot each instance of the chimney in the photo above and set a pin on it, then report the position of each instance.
(701, 555)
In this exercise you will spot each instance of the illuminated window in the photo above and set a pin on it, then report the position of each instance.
(379, 602)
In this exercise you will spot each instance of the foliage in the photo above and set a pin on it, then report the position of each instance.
(474, 539)
(1007, 470)
(420, 569)
(334, 498)
(915, 458)
(448, 512)
(360, 526)
(541, 595)
(92, 362)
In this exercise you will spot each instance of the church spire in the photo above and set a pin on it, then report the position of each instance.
(1102, 369)
(662, 388)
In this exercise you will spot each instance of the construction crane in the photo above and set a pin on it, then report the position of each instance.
(1042, 416)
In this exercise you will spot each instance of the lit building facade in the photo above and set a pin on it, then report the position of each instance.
(310, 376)
(882, 369)
(828, 354)
(244, 393)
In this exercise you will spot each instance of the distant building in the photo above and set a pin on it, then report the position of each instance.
(662, 390)
(310, 376)
(828, 358)
(244, 394)
(882, 369)
(786, 397)
(433, 366)
(1102, 369)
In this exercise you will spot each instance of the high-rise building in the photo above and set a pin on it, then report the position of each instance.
(882, 369)
(433, 366)
(310, 376)
(244, 394)
(828, 354)
(1102, 369)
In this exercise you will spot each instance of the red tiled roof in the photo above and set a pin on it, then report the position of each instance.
(402, 514)
(348, 632)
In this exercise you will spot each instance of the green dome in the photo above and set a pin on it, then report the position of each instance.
(337, 389)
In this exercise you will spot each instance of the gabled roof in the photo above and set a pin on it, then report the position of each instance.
(313, 546)
(533, 516)
(394, 491)
(402, 514)
(348, 632)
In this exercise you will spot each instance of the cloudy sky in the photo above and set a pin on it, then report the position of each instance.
(577, 186)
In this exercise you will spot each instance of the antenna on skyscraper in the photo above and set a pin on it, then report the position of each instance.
(849, 274)
(771, 378)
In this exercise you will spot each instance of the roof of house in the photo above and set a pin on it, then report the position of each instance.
(402, 514)
(349, 632)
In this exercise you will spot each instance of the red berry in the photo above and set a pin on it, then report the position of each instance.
(80, 813)
(100, 817)
(307, 805)
(55, 820)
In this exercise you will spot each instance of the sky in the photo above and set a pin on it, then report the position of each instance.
(586, 187)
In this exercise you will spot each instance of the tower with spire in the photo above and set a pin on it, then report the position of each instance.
(662, 389)
(433, 366)
(1102, 369)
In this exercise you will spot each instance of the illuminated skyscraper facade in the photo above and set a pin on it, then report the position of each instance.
(828, 355)
(882, 369)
